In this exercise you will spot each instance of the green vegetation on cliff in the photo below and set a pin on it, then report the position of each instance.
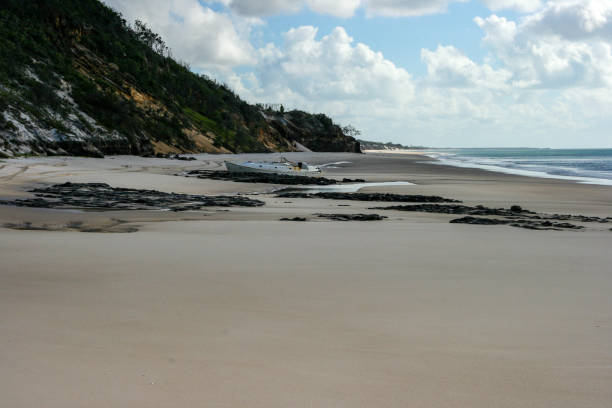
(76, 78)
(370, 145)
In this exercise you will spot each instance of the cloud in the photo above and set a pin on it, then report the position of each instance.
(334, 68)
(566, 44)
(340, 8)
(400, 8)
(522, 94)
(448, 67)
(347, 8)
(263, 8)
(355, 84)
(545, 79)
(332, 74)
(519, 5)
(206, 39)
(573, 20)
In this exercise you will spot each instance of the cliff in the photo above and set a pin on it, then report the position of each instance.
(75, 78)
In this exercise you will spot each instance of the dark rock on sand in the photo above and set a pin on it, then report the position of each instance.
(384, 197)
(270, 178)
(479, 221)
(103, 196)
(113, 225)
(352, 217)
(516, 216)
(293, 219)
(170, 156)
(580, 218)
(456, 209)
(529, 224)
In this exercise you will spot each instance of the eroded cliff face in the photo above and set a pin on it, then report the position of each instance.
(77, 79)
(315, 132)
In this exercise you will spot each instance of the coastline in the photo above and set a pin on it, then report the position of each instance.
(439, 157)
(232, 307)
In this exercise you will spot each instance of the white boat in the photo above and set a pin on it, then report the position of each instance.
(280, 167)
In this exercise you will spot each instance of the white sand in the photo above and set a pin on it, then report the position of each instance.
(240, 309)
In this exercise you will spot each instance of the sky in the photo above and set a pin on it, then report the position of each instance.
(439, 73)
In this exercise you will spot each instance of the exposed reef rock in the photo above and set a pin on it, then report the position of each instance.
(103, 196)
(569, 217)
(171, 156)
(514, 212)
(341, 217)
(458, 209)
(516, 216)
(384, 197)
(293, 219)
(352, 217)
(113, 226)
(270, 178)
(529, 224)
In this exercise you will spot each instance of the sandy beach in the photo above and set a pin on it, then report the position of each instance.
(229, 307)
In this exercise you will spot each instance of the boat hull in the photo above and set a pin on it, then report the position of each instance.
(270, 169)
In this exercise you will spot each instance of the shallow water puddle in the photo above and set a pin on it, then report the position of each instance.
(334, 165)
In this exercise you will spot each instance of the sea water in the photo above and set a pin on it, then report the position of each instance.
(592, 166)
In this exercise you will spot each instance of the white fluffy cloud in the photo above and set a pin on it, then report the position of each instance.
(346, 8)
(573, 20)
(263, 8)
(406, 7)
(523, 94)
(358, 85)
(331, 68)
(339, 8)
(448, 67)
(332, 74)
(519, 5)
(544, 81)
(566, 44)
(204, 38)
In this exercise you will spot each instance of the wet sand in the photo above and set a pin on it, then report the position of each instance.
(235, 308)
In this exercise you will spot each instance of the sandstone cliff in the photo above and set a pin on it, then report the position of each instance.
(75, 78)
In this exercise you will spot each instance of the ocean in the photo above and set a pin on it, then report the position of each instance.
(591, 166)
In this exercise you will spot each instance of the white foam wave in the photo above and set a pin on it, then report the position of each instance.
(500, 165)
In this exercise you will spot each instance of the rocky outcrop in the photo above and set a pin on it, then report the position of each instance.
(382, 197)
(300, 219)
(352, 217)
(528, 224)
(458, 209)
(515, 216)
(103, 196)
(514, 212)
(341, 217)
(269, 178)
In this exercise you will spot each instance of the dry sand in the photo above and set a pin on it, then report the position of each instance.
(235, 308)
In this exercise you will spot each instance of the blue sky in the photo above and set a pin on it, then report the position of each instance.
(436, 72)
(399, 39)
